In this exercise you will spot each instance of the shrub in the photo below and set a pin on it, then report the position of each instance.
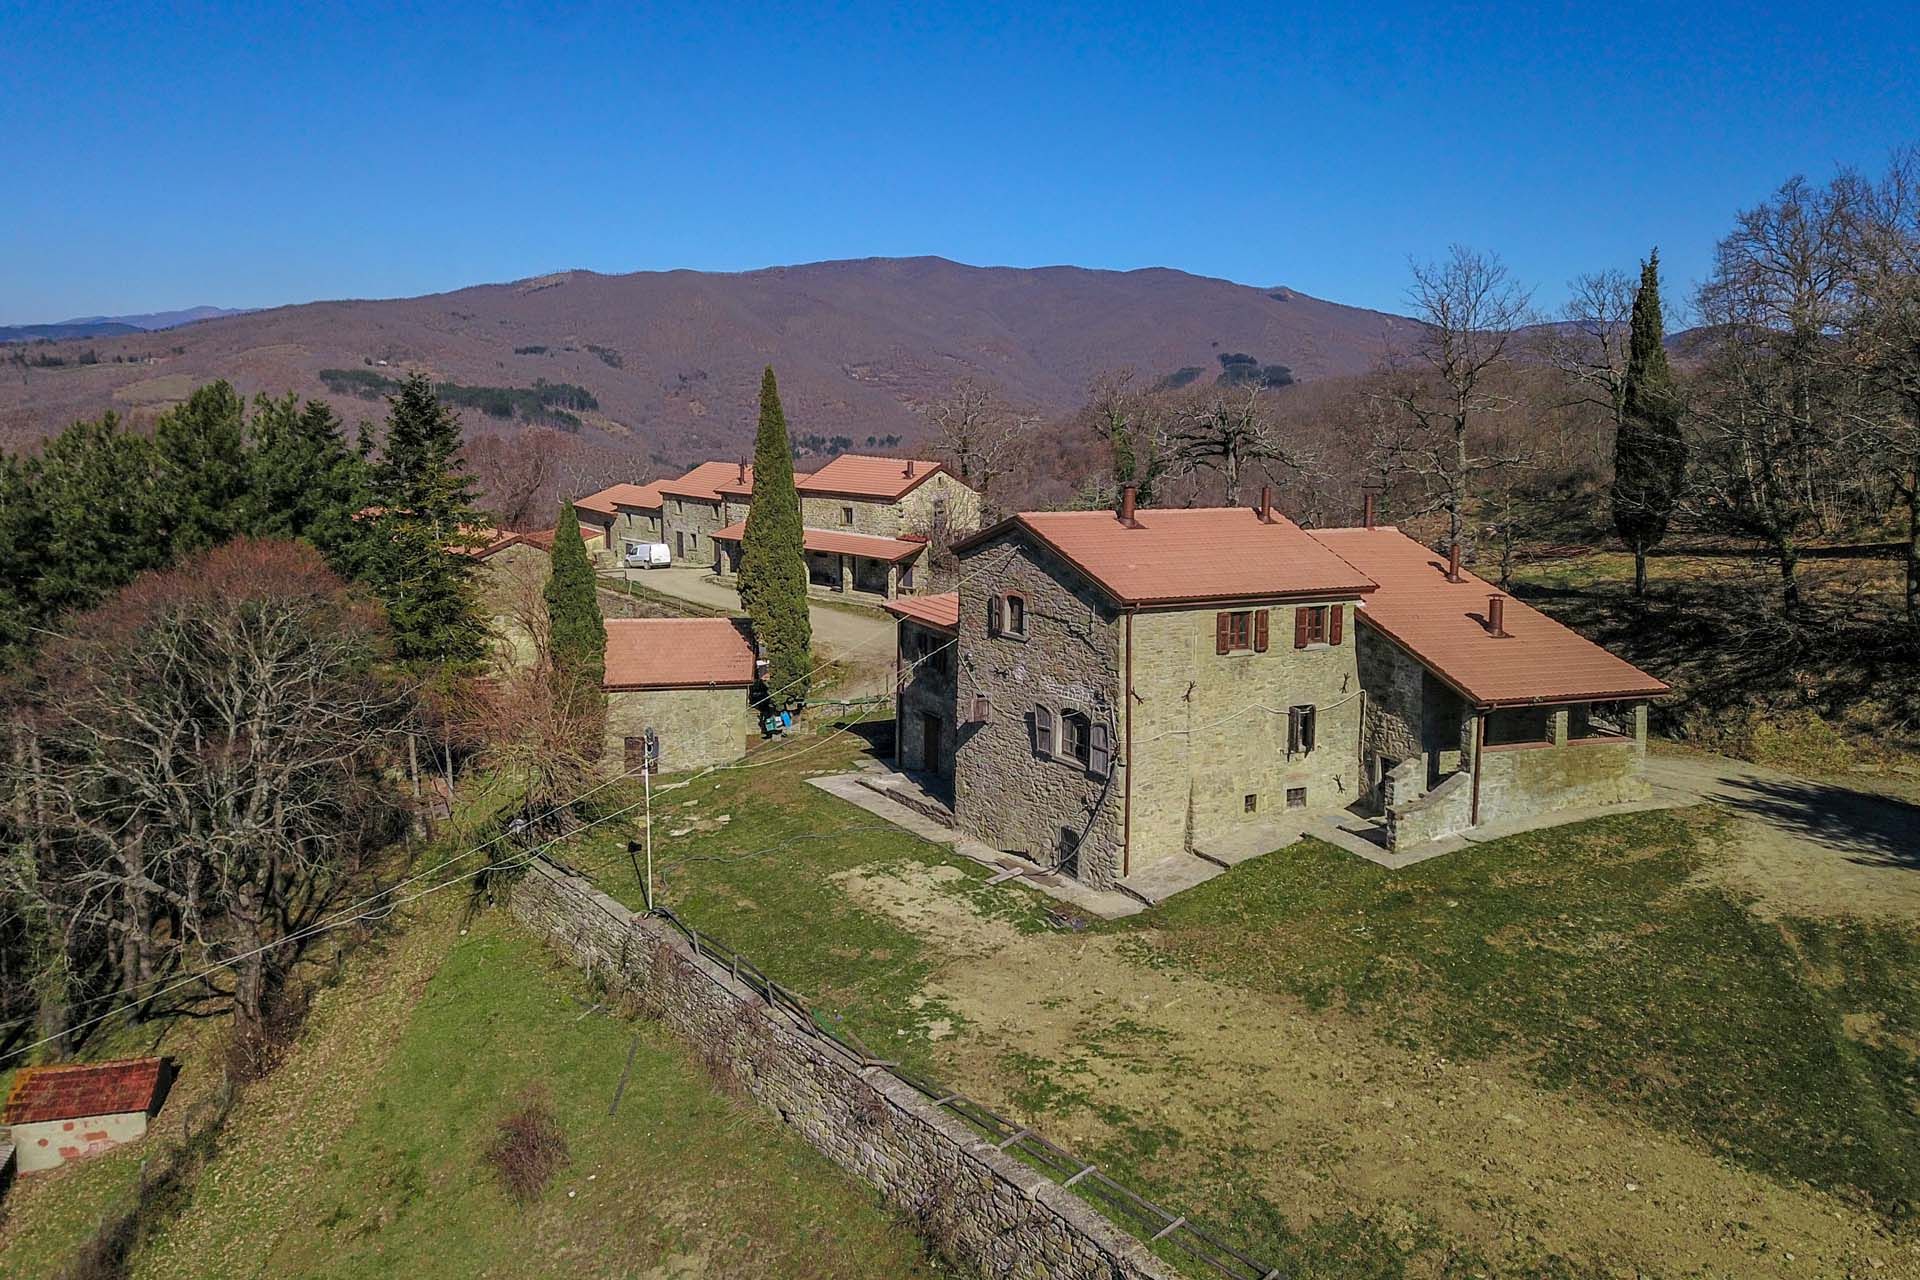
(529, 1148)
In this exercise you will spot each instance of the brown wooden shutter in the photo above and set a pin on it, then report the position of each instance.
(1099, 751)
(1260, 630)
(1293, 730)
(1042, 732)
(1300, 628)
(993, 615)
(1336, 622)
(1222, 634)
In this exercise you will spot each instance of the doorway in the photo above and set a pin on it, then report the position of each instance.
(931, 729)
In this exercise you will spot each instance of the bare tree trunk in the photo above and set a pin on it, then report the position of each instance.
(1639, 571)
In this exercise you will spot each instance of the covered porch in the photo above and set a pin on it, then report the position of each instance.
(853, 565)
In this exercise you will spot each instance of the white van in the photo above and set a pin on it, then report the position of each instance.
(648, 555)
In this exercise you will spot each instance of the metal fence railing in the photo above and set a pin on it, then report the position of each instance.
(1151, 1222)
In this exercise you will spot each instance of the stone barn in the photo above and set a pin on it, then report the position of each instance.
(63, 1113)
(689, 681)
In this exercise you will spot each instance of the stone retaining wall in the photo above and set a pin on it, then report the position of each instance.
(978, 1204)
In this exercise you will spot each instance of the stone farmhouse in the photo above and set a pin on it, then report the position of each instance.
(1110, 689)
(868, 522)
(685, 681)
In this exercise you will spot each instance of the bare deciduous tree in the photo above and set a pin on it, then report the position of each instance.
(1229, 430)
(1470, 306)
(516, 474)
(978, 434)
(212, 744)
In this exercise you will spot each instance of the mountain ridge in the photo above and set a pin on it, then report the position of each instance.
(671, 359)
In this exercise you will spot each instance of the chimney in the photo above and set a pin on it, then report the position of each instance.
(1497, 615)
(1266, 504)
(1129, 494)
(1453, 562)
(743, 471)
(1368, 519)
(909, 469)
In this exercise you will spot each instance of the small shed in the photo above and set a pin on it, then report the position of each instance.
(688, 681)
(63, 1113)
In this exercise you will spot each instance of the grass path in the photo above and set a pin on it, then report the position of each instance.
(363, 1155)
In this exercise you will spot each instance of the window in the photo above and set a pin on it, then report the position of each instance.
(1043, 732)
(1591, 720)
(1300, 729)
(1296, 797)
(846, 515)
(642, 753)
(1240, 631)
(1076, 737)
(906, 578)
(1251, 804)
(1007, 616)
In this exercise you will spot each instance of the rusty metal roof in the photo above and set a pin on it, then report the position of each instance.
(70, 1092)
(678, 653)
(1444, 625)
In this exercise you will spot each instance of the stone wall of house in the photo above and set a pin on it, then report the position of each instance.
(696, 519)
(697, 727)
(928, 690)
(1211, 729)
(912, 514)
(960, 506)
(1416, 815)
(1526, 781)
(1003, 793)
(986, 1208)
(631, 525)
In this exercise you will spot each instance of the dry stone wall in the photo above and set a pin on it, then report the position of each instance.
(982, 1206)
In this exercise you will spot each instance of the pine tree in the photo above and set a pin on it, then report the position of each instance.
(304, 482)
(202, 477)
(423, 524)
(773, 567)
(1649, 452)
(98, 495)
(577, 632)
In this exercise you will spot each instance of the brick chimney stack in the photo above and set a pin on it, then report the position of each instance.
(743, 471)
(1368, 504)
(1129, 494)
(1266, 504)
(1453, 562)
(1497, 615)
(908, 472)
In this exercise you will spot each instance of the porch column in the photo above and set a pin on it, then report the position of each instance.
(1557, 720)
(893, 580)
(1640, 725)
(846, 574)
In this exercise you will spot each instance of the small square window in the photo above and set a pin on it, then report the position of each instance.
(1015, 621)
(1296, 797)
(1076, 737)
(1251, 804)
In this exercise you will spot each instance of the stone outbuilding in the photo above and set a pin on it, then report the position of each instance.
(1480, 708)
(1111, 690)
(688, 682)
(513, 573)
(61, 1113)
(619, 517)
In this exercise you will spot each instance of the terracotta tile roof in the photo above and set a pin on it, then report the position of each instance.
(1190, 556)
(707, 481)
(83, 1089)
(642, 497)
(1443, 624)
(498, 540)
(855, 475)
(833, 542)
(678, 653)
(941, 611)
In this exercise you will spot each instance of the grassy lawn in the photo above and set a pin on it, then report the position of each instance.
(1590, 959)
(681, 1180)
(1789, 1045)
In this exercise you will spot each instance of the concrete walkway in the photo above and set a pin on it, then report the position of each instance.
(1106, 904)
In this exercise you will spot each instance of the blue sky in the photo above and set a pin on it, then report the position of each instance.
(159, 157)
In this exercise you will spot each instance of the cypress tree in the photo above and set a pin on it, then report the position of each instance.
(1649, 452)
(773, 567)
(414, 550)
(577, 631)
